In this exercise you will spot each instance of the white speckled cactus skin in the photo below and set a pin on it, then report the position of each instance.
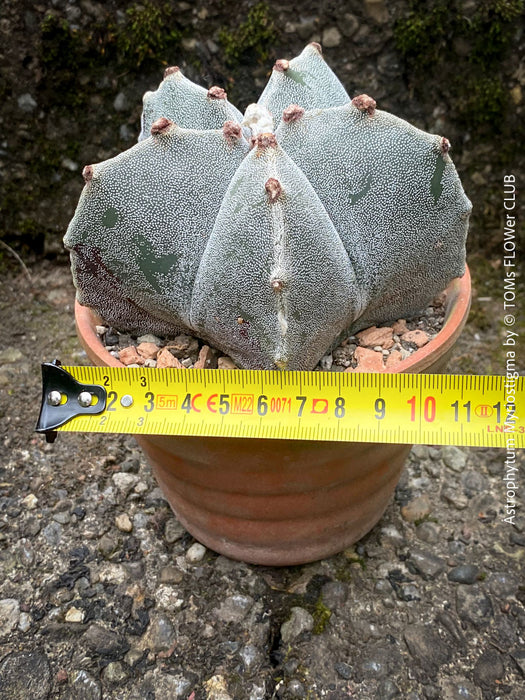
(269, 244)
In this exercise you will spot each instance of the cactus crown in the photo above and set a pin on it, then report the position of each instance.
(273, 234)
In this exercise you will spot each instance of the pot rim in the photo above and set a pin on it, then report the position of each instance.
(458, 297)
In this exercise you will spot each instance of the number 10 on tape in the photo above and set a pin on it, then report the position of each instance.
(358, 407)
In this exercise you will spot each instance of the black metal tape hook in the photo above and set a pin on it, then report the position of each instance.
(64, 398)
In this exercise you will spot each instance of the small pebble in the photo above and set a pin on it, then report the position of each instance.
(474, 606)
(195, 553)
(416, 509)
(141, 488)
(9, 615)
(30, 501)
(226, 363)
(416, 337)
(217, 688)
(120, 103)
(393, 358)
(129, 356)
(373, 336)
(63, 518)
(349, 25)
(83, 685)
(296, 689)
(149, 338)
(113, 338)
(25, 622)
(10, 356)
(107, 546)
(74, 615)
(465, 573)
(428, 532)
(344, 670)
(378, 11)
(400, 327)
(368, 360)
(130, 465)
(207, 358)
(160, 634)
(171, 574)
(300, 621)
(234, 608)
(123, 523)
(426, 564)
(114, 672)
(455, 497)
(148, 350)
(453, 457)
(173, 531)
(27, 103)
(165, 359)
(420, 451)
(326, 362)
(125, 482)
(183, 346)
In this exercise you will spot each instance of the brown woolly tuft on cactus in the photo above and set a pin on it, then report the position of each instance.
(310, 217)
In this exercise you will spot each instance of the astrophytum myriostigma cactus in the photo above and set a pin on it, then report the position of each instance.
(273, 234)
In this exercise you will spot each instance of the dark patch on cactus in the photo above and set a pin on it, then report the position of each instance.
(154, 266)
(88, 264)
(341, 217)
(354, 197)
(296, 76)
(436, 186)
(110, 217)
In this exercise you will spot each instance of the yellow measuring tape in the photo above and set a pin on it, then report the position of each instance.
(433, 409)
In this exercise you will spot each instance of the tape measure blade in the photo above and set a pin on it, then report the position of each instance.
(403, 408)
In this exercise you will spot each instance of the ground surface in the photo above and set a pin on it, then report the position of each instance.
(430, 604)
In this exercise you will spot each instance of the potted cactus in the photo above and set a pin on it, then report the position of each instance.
(271, 235)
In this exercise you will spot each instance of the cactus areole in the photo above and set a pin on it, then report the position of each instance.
(270, 235)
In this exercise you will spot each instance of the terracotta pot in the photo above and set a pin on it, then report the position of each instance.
(282, 502)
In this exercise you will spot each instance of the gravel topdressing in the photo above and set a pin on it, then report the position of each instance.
(372, 349)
